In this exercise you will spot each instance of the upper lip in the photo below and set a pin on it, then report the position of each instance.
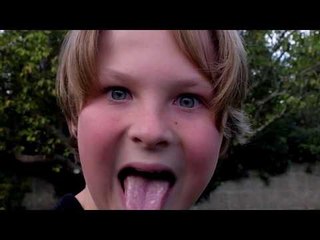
(153, 171)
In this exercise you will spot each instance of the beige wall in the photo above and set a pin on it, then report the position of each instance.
(295, 189)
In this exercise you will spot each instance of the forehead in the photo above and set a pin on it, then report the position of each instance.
(138, 39)
(119, 46)
(145, 54)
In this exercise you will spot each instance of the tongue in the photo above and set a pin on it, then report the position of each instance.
(144, 194)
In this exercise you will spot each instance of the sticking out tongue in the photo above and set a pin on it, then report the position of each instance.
(144, 194)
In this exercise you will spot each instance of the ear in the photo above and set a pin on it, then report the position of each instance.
(225, 118)
(72, 129)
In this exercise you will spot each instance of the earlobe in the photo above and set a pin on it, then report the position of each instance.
(72, 129)
(224, 119)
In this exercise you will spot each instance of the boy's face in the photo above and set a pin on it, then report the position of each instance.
(147, 139)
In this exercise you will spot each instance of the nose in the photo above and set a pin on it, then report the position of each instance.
(151, 130)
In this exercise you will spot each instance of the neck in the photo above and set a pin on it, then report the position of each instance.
(85, 199)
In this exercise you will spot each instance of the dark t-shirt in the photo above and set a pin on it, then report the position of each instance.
(68, 202)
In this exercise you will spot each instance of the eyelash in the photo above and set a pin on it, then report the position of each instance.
(198, 99)
(109, 90)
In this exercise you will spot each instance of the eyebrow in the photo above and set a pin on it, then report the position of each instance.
(110, 73)
(185, 82)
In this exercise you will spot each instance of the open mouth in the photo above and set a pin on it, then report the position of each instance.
(162, 175)
(145, 189)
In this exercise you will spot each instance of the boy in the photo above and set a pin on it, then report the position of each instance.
(152, 111)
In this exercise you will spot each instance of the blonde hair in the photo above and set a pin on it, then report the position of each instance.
(219, 55)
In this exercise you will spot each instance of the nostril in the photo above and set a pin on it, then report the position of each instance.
(136, 140)
(162, 144)
(155, 143)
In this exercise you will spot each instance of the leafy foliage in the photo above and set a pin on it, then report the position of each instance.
(283, 105)
(28, 108)
(30, 121)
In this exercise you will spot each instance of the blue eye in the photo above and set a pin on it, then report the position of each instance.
(188, 101)
(118, 93)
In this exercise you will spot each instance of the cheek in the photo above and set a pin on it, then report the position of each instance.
(203, 144)
(97, 139)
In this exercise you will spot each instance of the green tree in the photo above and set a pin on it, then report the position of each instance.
(30, 120)
(283, 104)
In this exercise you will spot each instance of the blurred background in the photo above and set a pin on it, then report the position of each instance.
(277, 168)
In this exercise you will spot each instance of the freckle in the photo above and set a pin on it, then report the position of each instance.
(176, 123)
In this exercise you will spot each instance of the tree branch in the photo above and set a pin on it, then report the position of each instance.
(309, 69)
(280, 40)
(270, 97)
(275, 117)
